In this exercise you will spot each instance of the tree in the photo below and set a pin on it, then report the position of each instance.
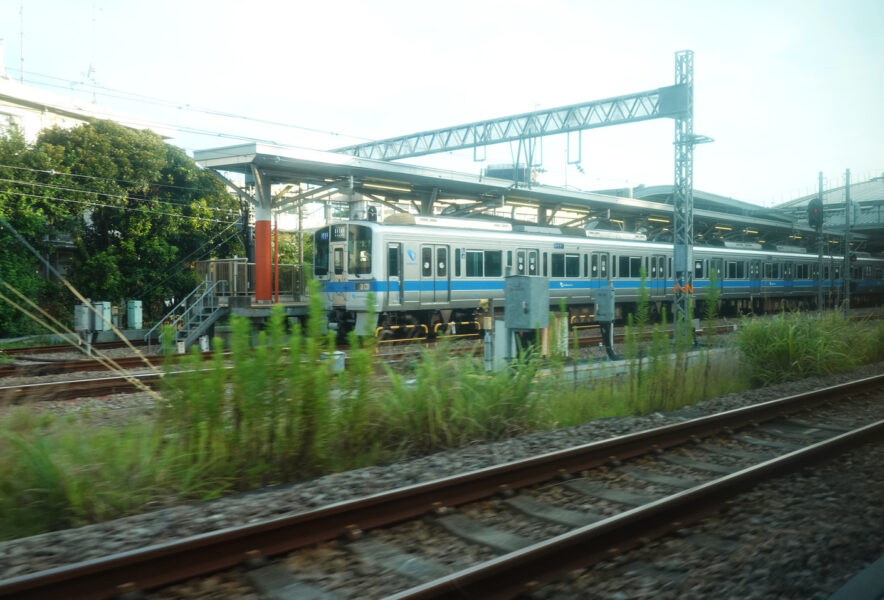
(138, 211)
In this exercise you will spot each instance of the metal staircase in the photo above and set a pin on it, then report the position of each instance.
(193, 316)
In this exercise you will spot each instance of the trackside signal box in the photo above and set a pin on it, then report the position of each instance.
(526, 302)
(604, 305)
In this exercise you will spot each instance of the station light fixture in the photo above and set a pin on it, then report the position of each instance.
(658, 220)
(724, 228)
(750, 231)
(386, 187)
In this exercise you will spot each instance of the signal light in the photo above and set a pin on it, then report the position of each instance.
(372, 213)
(815, 213)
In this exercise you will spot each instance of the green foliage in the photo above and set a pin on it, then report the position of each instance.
(136, 210)
(274, 410)
(796, 345)
(713, 295)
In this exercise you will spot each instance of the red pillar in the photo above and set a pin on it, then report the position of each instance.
(276, 260)
(263, 278)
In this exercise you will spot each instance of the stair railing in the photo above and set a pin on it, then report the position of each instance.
(202, 297)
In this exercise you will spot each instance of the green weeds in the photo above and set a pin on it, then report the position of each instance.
(276, 410)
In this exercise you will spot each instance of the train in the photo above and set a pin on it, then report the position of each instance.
(411, 275)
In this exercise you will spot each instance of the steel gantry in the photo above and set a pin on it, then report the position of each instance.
(653, 104)
(683, 192)
(675, 101)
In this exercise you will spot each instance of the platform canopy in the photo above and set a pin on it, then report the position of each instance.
(293, 176)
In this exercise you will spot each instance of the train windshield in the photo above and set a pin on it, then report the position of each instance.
(359, 250)
(320, 252)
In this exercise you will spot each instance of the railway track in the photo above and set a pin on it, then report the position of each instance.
(513, 526)
(55, 349)
(390, 352)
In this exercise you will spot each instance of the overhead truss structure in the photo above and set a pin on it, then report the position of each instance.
(654, 104)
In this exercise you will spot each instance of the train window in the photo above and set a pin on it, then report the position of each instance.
(339, 261)
(532, 262)
(475, 263)
(572, 265)
(509, 258)
(545, 266)
(837, 272)
(768, 270)
(393, 260)
(879, 274)
(457, 255)
(320, 252)
(359, 250)
(736, 270)
(699, 271)
(558, 264)
(586, 265)
(442, 261)
(826, 272)
(629, 266)
(493, 263)
(594, 266)
(803, 272)
(520, 262)
(427, 262)
(603, 267)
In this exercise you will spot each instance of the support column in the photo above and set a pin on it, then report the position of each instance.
(263, 270)
(262, 255)
(683, 196)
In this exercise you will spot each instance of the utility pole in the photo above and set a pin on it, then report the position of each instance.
(847, 253)
(819, 243)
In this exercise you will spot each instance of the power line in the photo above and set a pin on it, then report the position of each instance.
(144, 99)
(105, 194)
(129, 208)
(55, 173)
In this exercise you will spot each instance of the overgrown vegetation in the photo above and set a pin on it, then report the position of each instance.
(278, 411)
(73, 192)
(798, 345)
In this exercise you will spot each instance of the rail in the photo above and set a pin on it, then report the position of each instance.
(174, 561)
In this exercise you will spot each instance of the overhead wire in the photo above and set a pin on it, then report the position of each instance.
(55, 173)
(128, 208)
(85, 301)
(105, 194)
(145, 99)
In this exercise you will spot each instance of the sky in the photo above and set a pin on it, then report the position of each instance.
(785, 88)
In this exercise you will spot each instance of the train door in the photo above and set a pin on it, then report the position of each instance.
(754, 276)
(338, 274)
(434, 273)
(527, 262)
(598, 269)
(394, 274)
(657, 276)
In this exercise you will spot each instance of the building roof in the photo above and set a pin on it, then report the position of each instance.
(33, 109)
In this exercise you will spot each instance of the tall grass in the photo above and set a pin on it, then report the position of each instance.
(797, 345)
(275, 410)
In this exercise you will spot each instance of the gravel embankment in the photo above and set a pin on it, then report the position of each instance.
(62, 547)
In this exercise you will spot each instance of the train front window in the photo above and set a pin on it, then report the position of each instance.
(359, 250)
(320, 252)
(339, 261)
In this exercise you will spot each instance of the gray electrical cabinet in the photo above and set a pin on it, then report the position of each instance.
(604, 305)
(526, 302)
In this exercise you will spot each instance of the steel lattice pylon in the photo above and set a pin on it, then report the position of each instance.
(683, 193)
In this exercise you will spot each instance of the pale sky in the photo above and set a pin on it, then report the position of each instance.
(785, 88)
